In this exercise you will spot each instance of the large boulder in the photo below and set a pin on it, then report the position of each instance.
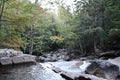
(103, 68)
(10, 56)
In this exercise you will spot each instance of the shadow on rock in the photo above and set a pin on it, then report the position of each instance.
(102, 68)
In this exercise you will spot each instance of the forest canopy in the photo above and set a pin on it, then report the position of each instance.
(91, 26)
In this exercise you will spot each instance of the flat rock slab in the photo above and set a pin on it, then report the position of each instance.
(18, 59)
(70, 75)
(23, 58)
(29, 58)
(79, 76)
(71, 66)
(5, 61)
(57, 69)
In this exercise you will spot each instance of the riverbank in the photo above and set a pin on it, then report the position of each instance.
(10, 56)
(61, 64)
(62, 70)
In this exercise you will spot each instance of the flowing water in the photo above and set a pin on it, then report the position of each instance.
(28, 72)
(70, 66)
(40, 71)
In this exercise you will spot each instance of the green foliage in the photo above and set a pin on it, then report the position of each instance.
(114, 32)
(91, 37)
(27, 26)
(113, 40)
(111, 13)
(89, 15)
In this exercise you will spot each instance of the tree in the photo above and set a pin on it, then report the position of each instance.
(2, 6)
(94, 20)
(12, 21)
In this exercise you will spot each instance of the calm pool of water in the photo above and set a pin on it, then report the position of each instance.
(28, 72)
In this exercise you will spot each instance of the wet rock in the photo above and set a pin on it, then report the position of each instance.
(82, 78)
(89, 77)
(57, 69)
(76, 76)
(103, 68)
(94, 69)
(111, 71)
(115, 61)
(68, 76)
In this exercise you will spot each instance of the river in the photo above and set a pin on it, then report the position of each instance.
(28, 72)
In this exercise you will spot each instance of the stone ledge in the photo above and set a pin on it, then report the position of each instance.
(17, 59)
(80, 76)
(10, 56)
(5, 61)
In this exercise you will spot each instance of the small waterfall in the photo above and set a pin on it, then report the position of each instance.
(84, 65)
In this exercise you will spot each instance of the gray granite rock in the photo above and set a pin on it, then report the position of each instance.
(29, 58)
(5, 61)
(18, 59)
(10, 56)
(60, 54)
(103, 68)
(79, 76)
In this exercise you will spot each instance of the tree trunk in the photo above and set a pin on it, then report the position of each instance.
(2, 8)
(95, 46)
(84, 47)
(31, 40)
(81, 47)
(31, 46)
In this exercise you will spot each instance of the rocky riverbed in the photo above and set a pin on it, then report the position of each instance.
(56, 66)
(87, 70)
(59, 55)
(72, 70)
